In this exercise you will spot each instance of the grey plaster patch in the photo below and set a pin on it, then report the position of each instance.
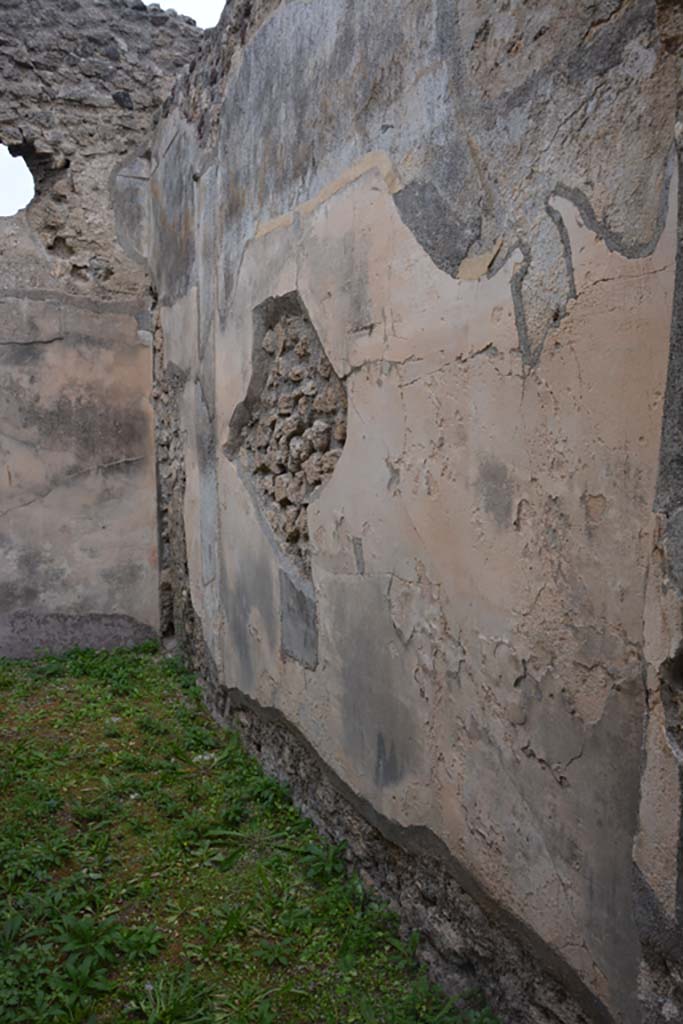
(387, 768)
(298, 620)
(130, 201)
(122, 576)
(673, 545)
(359, 555)
(172, 206)
(661, 937)
(496, 490)
(250, 590)
(563, 748)
(83, 420)
(670, 480)
(671, 674)
(380, 727)
(558, 221)
(442, 234)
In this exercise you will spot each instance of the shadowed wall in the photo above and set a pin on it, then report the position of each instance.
(81, 83)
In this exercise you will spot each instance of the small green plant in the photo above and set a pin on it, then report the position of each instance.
(87, 938)
(140, 942)
(277, 954)
(175, 999)
(323, 863)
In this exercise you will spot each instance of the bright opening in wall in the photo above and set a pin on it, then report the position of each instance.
(205, 12)
(16, 184)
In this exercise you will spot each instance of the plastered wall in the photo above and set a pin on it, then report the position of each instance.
(475, 205)
(80, 83)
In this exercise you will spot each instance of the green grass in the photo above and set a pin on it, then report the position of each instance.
(150, 871)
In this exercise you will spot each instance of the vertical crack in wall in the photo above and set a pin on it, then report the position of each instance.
(175, 603)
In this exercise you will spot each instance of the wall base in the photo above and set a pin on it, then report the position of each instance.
(469, 947)
(24, 634)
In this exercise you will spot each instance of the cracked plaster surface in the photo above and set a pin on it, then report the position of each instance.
(469, 519)
(489, 265)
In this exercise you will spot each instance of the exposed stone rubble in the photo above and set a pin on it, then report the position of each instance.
(297, 429)
(82, 85)
(166, 393)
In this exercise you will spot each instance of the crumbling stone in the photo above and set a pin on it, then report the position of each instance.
(296, 428)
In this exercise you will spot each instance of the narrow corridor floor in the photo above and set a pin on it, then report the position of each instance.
(150, 871)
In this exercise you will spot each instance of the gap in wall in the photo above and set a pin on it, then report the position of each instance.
(17, 187)
(205, 12)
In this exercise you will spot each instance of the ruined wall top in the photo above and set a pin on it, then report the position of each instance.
(82, 82)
